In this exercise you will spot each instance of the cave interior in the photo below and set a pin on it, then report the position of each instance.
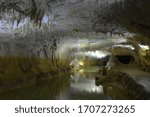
(85, 49)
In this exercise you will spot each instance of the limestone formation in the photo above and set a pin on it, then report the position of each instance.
(123, 82)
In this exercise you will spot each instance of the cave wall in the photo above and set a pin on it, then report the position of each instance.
(134, 15)
(120, 51)
(110, 18)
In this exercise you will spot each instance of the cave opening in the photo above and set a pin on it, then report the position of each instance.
(125, 59)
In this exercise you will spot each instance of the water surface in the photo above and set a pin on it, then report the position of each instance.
(79, 85)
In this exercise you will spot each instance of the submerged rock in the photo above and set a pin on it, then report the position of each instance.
(125, 83)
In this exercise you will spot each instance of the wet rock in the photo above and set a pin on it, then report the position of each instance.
(125, 83)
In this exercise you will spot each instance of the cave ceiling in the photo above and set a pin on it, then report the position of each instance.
(114, 16)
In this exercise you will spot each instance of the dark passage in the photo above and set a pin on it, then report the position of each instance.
(125, 59)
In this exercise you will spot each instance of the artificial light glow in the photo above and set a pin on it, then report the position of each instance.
(97, 54)
(87, 87)
(144, 47)
(125, 46)
(81, 63)
(81, 71)
(94, 54)
(85, 84)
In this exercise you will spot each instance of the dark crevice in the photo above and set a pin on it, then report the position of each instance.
(125, 59)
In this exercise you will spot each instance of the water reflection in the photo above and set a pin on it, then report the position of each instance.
(82, 86)
(77, 86)
(120, 85)
(85, 82)
(46, 89)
